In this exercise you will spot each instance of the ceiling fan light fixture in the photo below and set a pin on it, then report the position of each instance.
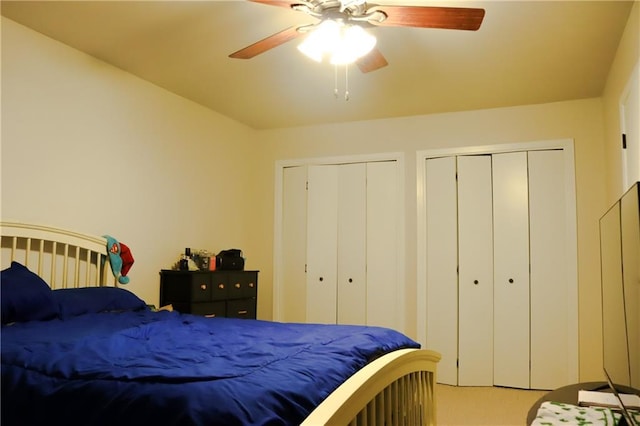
(342, 43)
(321, 41)
(355, 43)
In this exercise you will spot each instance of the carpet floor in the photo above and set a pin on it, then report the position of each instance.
(486, 406)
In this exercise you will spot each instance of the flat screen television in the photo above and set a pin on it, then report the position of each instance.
(620, 266)
(626, 418)
(620, 280)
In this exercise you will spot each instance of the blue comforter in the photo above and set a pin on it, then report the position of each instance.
(166, 368)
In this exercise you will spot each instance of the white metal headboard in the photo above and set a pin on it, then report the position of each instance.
(62, 258)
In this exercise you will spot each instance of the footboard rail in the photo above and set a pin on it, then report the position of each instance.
(395, 389)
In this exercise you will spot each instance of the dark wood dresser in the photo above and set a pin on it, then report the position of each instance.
(231, 294)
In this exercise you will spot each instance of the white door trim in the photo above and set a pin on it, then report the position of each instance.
(625, 154)
(567, 145)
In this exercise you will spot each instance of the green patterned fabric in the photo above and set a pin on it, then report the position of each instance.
(557, 413)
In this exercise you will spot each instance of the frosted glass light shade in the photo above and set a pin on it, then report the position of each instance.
(342, 43)
(355, 43)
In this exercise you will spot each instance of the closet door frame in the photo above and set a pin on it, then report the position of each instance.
(567, 145)
(280, 165)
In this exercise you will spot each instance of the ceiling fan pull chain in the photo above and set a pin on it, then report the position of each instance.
(346, 82)
(335, 81)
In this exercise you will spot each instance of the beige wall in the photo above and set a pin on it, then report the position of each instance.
(88, 147)
(627, 57)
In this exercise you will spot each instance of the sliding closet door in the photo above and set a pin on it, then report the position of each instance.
(549, 278)
(511, 274)
(322, 244)
(475, 283)
(382, 213)
(352, 244)
(441, 264)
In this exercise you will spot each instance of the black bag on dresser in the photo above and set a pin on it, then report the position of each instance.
(230, 260)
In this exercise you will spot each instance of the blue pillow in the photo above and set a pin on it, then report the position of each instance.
(86, 300)
(25, 296)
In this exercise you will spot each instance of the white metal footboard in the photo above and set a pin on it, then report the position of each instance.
(396, 389)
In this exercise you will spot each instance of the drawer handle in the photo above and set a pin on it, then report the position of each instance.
(251, 285)
(203, 287)
(237, 285)
(221, 286)
(242, 312)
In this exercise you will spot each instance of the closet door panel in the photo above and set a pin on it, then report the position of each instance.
(352, 228)
(294, 244)
(475, 283)
(322, 244)
(441, 264)
(511, 274)
(549, 275)
(383, 289)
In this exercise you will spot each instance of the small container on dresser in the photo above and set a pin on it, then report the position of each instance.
(231, 294)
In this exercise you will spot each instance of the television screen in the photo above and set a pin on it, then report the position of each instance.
(620, 266)
(627, 418)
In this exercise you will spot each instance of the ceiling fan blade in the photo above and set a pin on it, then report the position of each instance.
(453, 18)
(372, 61)
(280, 3)
(267, 43)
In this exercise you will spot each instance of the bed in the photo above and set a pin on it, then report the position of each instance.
(79, 350)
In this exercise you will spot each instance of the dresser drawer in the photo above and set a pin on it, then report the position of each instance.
(209, 309)
(184, 287)
(219, 287)
(200, 288)
(241, 308)
(242, 285)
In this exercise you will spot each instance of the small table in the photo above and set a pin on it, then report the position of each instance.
(569, 395)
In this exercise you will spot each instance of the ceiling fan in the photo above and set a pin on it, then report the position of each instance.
(357, 13)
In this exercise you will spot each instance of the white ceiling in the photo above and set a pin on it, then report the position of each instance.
(526, 52)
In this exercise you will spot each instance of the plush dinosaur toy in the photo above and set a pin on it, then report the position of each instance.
(120, 258)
